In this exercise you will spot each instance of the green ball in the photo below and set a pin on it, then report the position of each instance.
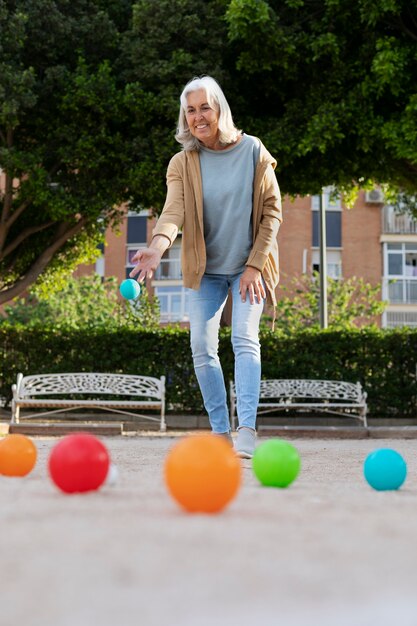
(276, 463)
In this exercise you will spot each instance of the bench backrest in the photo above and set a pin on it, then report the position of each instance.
(304, 389)
(315, 389)
(91, 383)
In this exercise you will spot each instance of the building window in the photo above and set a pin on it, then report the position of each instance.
(334, 263)
(170, 266)
(100, 262)
(173, 301)
(400, 273)
(136, 228)
(333, 229)
(332, 202)
(100, 266)
(130, 253)
(137, 236)
(333, 206)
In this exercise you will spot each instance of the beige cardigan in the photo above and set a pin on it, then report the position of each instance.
(183, 209)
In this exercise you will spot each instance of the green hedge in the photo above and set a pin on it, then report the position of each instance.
(383, 361)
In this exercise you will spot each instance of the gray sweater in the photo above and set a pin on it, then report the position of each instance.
(227, 177)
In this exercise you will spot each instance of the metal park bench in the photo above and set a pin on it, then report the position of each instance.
(320, 396)
(61, 393)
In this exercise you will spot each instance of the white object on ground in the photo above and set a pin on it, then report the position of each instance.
(112, 475)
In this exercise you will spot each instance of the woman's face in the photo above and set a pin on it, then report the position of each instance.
(201, 118)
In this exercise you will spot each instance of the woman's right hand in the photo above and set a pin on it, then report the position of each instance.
(147, 260)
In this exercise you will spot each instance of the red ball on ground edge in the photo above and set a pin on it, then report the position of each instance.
(79, 463)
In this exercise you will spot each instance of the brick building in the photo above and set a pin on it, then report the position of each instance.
(371, 241)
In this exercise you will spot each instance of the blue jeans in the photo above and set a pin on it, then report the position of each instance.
(206, 306)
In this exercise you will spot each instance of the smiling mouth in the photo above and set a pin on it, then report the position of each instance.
(201, 126)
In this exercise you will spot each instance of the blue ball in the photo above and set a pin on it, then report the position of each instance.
(130, 289)
(385, 469)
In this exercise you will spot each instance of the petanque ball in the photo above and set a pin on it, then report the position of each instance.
(276, 463)
(202, 473)
(79, 463)
(130, 289)
(385, 469)
(18, 455)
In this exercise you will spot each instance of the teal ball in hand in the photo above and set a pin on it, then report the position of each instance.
(385, 469)
(130, 289)
(276, 463)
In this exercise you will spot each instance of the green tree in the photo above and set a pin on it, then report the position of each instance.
(352, 302)
(331, 88)
(169, 43)
(63, 148)
(84, 303)
(88, 104)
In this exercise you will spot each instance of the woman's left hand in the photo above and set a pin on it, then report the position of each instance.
(251, 282)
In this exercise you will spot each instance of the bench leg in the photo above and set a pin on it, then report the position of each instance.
(163, 425)
(365, 421)
(15, 413)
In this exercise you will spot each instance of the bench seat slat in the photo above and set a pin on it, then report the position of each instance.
(27, 402)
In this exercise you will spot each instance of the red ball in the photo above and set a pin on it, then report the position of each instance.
(79, 463)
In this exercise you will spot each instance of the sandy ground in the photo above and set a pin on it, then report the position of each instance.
(326, 551)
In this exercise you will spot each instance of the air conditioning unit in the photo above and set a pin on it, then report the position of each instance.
(374, 196)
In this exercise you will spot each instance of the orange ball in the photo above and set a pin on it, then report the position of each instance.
(17, 455)
(203, 473)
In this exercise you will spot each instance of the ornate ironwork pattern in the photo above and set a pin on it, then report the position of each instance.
(316, 389)
(92, 383)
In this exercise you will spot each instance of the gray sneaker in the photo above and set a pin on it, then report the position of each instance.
(226, 436)
(245, 443)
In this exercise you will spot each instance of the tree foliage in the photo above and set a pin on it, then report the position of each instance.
(62, 148)
(89, 100)
(352, 302)
(85, 303)
(331, 87)
(169, 43)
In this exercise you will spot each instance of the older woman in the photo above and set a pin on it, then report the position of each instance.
(222, 192)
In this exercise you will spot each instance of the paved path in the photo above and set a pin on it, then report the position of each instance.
(328, 551)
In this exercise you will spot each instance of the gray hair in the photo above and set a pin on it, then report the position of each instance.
(217, 100)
